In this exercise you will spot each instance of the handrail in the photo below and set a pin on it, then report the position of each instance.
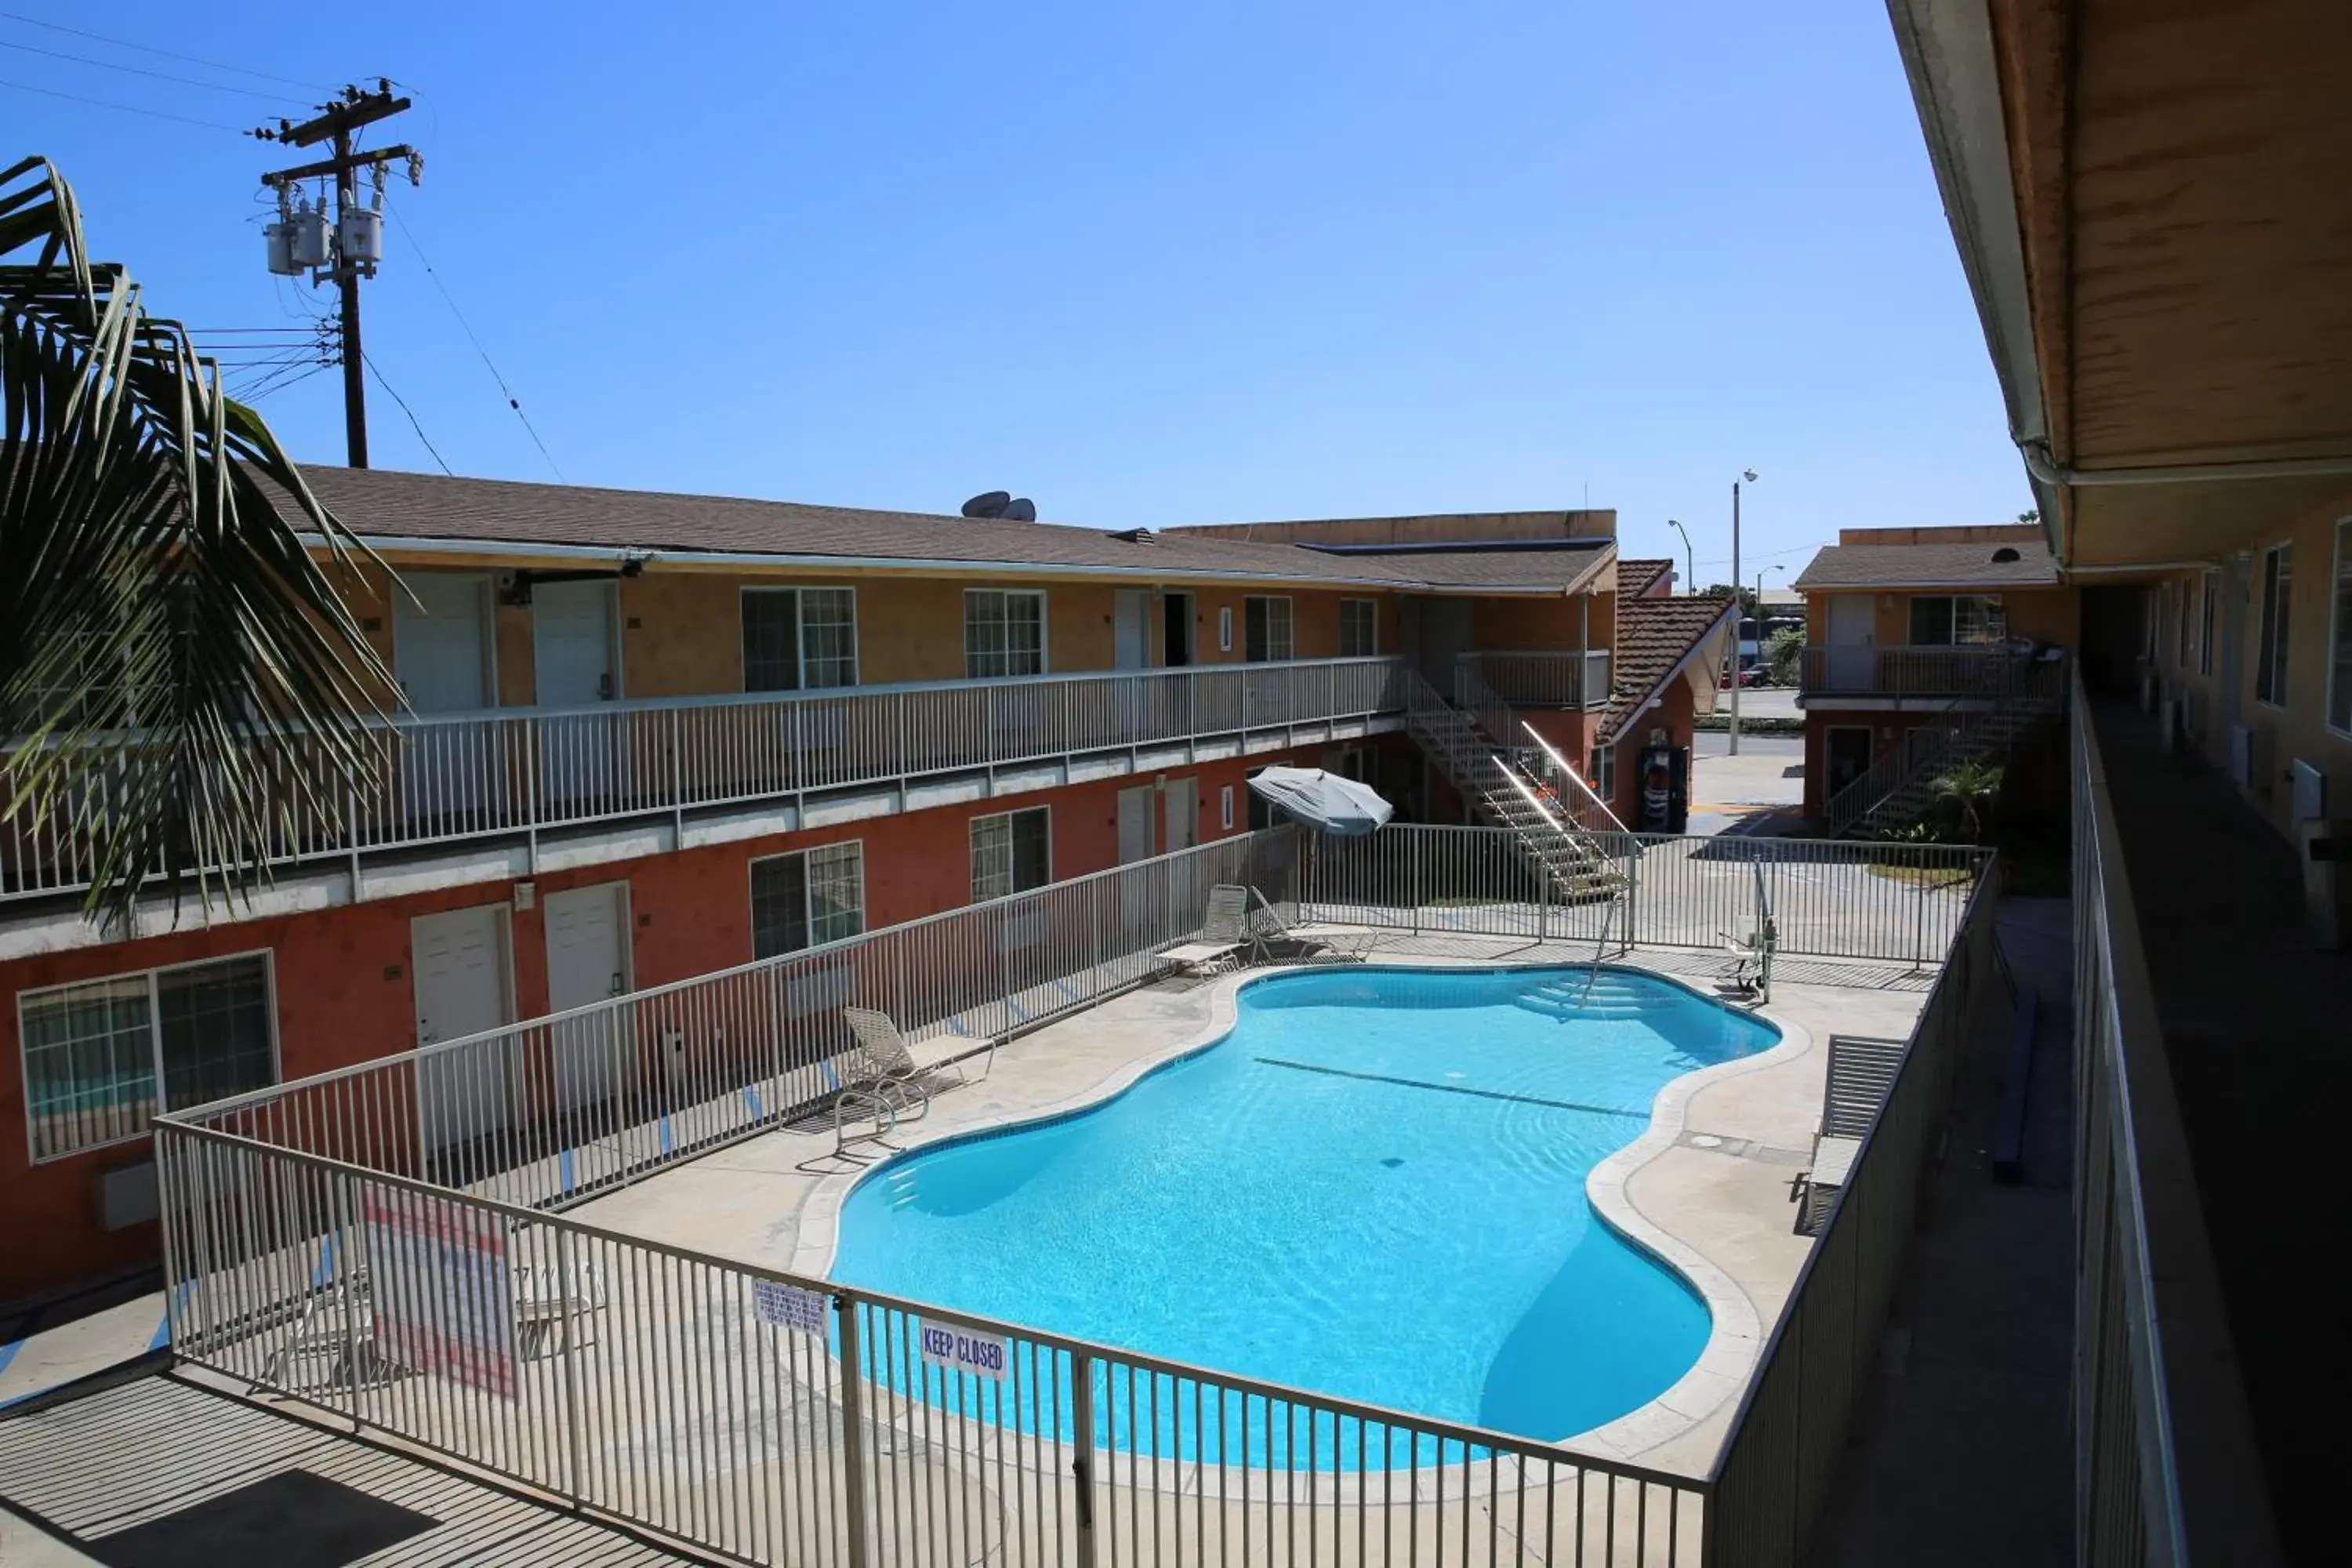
(1885, 778)
(1560, 765)
(2165, 1440)
(1898, 669)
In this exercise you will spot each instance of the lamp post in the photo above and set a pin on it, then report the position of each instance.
(1747, 476)
(1690, 557)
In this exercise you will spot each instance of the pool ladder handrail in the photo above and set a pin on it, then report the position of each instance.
(1593, 970)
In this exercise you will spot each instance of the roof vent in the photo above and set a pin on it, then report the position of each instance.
(1136, 536)
(2004, 555)
(1002, 504)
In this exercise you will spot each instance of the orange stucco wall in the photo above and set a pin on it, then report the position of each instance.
(345, 994)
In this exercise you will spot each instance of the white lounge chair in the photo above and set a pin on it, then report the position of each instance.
(888, 1068)
(1271, 927)
(1224, 933)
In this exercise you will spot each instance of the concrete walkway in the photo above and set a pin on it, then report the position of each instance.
(1959, 1453)
(159, 1471)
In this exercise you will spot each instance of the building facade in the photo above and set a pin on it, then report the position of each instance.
(652, 736)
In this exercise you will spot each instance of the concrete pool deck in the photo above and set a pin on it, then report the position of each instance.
(1706, 1186)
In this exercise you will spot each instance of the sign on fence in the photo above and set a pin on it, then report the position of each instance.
(789, 1306)
(444, 1302)
(953, 1349)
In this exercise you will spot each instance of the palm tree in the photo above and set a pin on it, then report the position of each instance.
(1970, 787)
(161, 613)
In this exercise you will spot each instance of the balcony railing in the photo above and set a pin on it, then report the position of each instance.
(497, 772)
(1986, 670)
(1569, 678)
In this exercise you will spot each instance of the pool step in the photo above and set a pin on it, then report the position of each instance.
(1602, 999)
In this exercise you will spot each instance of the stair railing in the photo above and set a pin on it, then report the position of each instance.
(1886, 777)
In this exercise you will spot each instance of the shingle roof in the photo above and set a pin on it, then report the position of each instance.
(387, 504)
(1970, 566)
(1635, 578)
(1652, 638)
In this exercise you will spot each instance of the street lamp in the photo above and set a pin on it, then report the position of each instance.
(1747, 477)
(1690, 557)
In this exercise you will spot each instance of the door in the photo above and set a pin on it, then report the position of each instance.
(1130, 629)
(1182, 798)
(571, 656)
(588, 960)
(441, 654)
(462, 988)
(1135, 823)
(1176, 629)
(1848, 759)
(2236, 571)
(1853, 628)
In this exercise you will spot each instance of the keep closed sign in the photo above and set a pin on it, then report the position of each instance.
(963, 1350)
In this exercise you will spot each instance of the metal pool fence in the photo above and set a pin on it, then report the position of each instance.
(715, 1402)
(385, 1244)
(1822, 897)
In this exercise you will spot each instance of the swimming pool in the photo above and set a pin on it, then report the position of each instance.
(1371, 1187)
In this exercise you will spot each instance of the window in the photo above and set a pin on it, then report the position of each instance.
(799, 639)
(1359, 622)
(1958, 620)
(2339, 636)
(96, 1052)
(1224, 629)
(2208, 596)
(807, 899)
(2270, 656)
(1225, 808)
(1004, 633)
(1262, 812)
(1265, 628)
(1010, 853)
(1604, 774)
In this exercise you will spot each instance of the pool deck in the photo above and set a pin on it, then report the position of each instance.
(1707, 1187)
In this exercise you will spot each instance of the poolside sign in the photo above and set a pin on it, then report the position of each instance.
(953, 1349)
(789, 1306)
(439, 1286)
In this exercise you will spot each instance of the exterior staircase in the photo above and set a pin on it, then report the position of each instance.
(1900, 787)
(1576, 862)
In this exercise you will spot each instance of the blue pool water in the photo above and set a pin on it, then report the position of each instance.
(1373, 1187)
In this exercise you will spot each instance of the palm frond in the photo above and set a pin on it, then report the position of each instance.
(178, 675)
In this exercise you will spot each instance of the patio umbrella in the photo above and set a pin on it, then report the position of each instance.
(1326, 801)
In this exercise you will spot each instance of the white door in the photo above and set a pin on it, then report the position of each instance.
(462, 988)
(1183, 799)
(441, 653)
(572, 654)
(587, 961)
(1853, 627)
(1130, 629)
(1135, 823)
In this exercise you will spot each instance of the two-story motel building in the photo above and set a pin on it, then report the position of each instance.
(655, 736)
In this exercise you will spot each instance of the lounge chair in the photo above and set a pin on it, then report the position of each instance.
(1861, 1076)
(886, 1067)
(1271, 928)
(1224, 934)
(550, 1304)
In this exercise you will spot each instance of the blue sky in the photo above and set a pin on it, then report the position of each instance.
(1148, 263)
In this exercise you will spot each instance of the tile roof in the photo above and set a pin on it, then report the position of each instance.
(1654, 635)
(386, 504)
(1635, 578)
(1966, 565)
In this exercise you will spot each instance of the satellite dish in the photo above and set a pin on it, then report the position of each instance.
(1021, 509)
(990, 504)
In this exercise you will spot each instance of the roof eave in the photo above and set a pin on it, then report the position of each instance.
(1948, 55)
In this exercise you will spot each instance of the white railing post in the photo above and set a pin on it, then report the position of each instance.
(1082, 1462)
(575, 1462)
(854, 1482)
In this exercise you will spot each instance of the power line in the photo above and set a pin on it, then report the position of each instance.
(166, 54)
(412, 425)
(141, 71)
(124, 108)
(512, 402)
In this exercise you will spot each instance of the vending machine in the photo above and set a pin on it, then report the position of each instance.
(1666, 786)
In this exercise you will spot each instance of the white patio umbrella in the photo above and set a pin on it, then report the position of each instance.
(1328, 802)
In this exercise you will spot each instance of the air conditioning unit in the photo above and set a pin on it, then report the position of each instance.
(2250, 753)
(126, 1196)
(2310, 792)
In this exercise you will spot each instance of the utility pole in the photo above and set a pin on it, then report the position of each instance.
(302, 240)
(1690, 557)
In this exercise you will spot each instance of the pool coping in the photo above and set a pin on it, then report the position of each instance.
(1736, 1334)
